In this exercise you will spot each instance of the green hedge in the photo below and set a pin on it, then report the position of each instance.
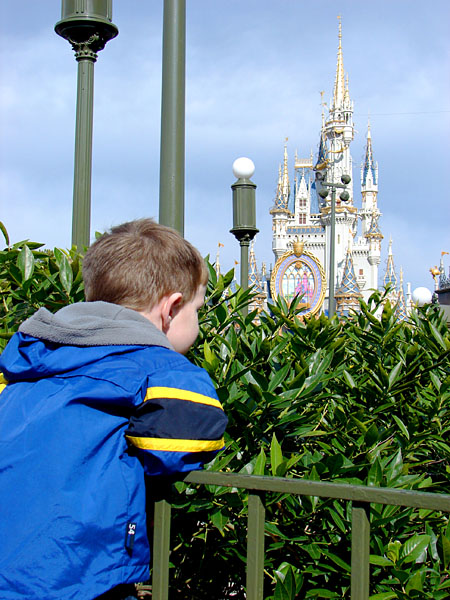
(364, 400)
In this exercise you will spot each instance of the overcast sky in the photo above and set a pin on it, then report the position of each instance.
(255, 69)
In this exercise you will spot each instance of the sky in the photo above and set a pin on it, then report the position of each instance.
(254, 73)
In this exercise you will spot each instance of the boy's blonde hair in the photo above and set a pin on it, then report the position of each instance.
(138, 263)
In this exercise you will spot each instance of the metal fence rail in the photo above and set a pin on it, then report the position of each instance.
(360, 496)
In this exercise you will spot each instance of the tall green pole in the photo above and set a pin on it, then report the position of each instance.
(81, 220)
(322, 187)
(87, 26)
(331, 298)
(244, 244)
(171, 176)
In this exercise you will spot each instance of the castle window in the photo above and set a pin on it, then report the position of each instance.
(302, 219)
(339, 238)
(361, 272)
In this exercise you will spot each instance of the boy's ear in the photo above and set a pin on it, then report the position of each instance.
(171, 305)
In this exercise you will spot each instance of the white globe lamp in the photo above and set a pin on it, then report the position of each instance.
(243, 168)
(422, 296)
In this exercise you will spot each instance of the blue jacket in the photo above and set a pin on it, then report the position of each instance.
(79, 427)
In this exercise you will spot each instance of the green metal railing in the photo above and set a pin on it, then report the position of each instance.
(360, 496)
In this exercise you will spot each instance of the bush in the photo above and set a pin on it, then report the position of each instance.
(31, 278)
(364, 400)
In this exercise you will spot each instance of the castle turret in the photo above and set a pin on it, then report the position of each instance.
(257, 282)
(400, 308)
(390, 278)
(280, 211)
(373, 236)
(369, 186)
(348, 292)
(253, 276)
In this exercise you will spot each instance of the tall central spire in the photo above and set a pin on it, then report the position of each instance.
(339, 84)
(369, 166)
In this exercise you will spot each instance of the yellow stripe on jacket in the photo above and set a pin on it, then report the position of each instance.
(3, 382)
(175, 445)
(156, 393)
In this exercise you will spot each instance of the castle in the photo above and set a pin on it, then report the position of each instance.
(302, 231)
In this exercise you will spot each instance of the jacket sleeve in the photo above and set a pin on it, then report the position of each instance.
(179, 425)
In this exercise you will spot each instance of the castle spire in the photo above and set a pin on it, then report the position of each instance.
(339, 84)
(217, 265)
(390, 278)
(253, 275)
(400, 307)
(281, 211)
(285, 185)
(369, 168)
(279, 200)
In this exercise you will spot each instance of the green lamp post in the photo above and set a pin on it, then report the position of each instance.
(344, 196)
(244, 211)
(87, 26)
(171, 174)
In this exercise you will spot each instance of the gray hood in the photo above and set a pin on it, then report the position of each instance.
(94, 324)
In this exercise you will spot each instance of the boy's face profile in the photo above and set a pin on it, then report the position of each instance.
(182, 330)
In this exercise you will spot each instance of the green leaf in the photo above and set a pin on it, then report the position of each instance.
(394, 468)
(260, 465)
(414, 583)
(393, 551)
(285, 588)
(381, 561)
(336, 559)
(321, 593)
(349, 379)
(338, 521)
(402, 426)
(413, 548)
(394, 374)
(276, 456)
(437, 336)
(281, 593)
(272, 529)
(5, 233)
(375, 476)
(384, 596)
(279, 377)
(371, 436)
(445, 550)
(25, 262)
(65, 274)
(219, 520)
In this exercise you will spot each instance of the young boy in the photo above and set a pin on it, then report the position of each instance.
(93, 398)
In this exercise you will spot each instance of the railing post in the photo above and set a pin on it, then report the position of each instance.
(360, 551)
(255, 547)
(161, 551)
